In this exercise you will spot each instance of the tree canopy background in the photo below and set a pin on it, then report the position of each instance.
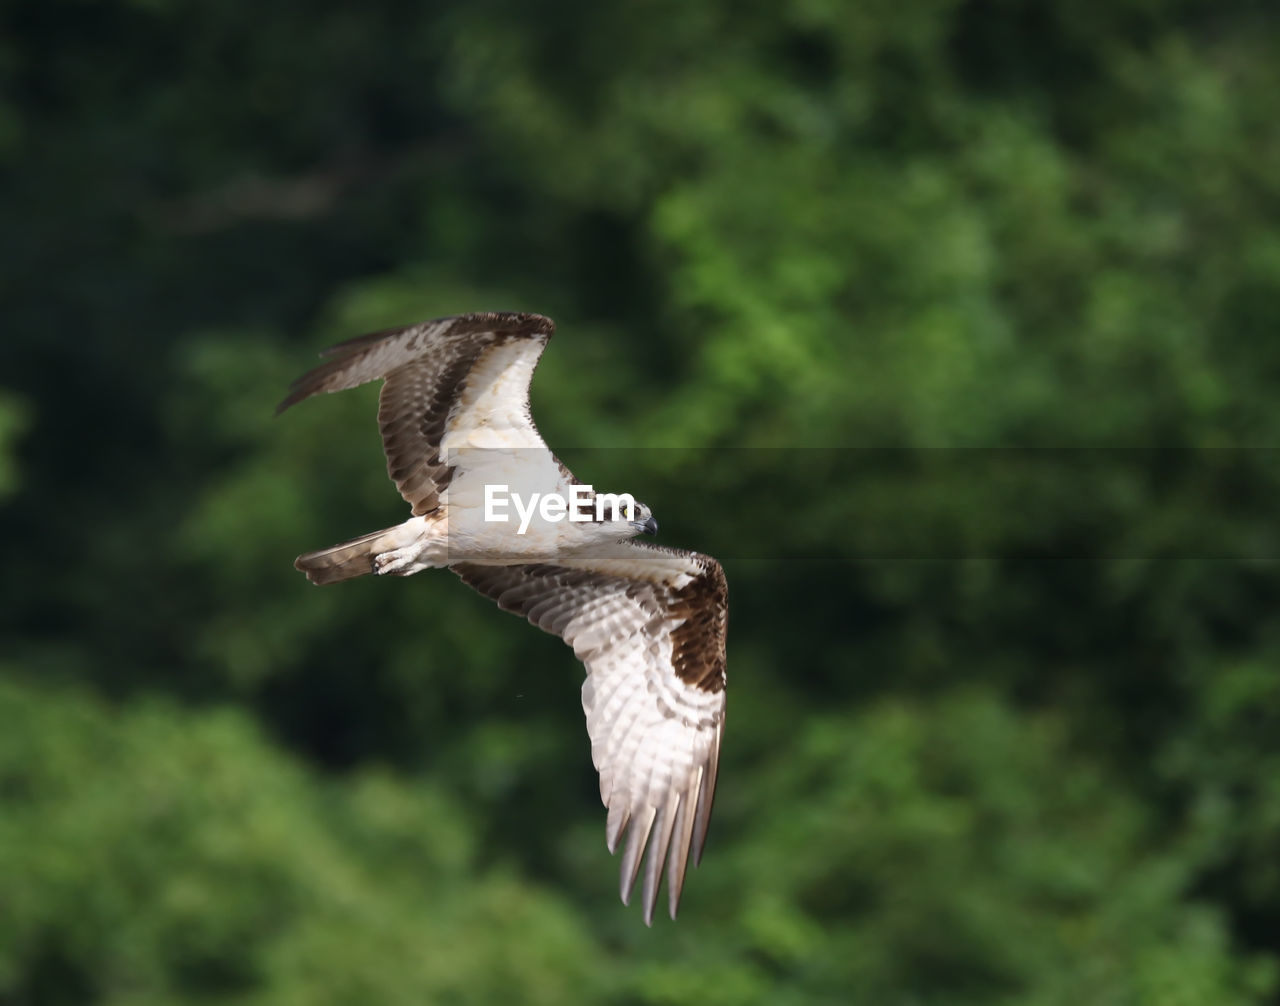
(950, 327)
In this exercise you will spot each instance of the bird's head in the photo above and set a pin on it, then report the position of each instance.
(628, 519)
(642, 521)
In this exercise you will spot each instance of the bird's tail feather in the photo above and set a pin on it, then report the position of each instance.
(346, 561)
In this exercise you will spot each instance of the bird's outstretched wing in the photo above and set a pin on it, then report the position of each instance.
(445, 376)
(649, 623)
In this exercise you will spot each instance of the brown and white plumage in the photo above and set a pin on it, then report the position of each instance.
(431, 389)
(648, 622)
(650, 627)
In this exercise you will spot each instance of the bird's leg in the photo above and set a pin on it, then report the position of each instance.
(428, 549)
(398, 562)
(410, 559)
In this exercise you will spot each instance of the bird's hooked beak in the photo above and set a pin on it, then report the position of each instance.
(648, 525)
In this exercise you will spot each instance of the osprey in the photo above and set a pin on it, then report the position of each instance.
(648, 622)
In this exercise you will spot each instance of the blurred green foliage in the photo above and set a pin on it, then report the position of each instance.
(962, 317)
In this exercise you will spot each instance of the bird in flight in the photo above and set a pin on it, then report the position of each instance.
(648, 622)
